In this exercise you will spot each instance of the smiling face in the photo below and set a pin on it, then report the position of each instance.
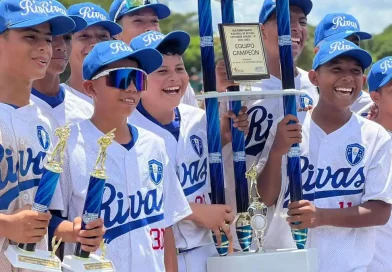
(82, 43)
(26, 52)
(340, 81)
(167, 85)
(299, 33)
(111, 100)
(137, 23)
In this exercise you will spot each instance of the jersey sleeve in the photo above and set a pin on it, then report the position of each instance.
(176, 205)
(378, 180)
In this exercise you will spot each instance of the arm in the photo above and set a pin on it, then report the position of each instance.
(368, 214)
(170, 251)
(277, 145)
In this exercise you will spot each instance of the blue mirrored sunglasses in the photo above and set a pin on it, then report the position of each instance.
(123, 77)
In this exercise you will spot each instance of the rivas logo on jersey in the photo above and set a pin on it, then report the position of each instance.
(193, 176)
(22, 164)
(354, 153)
(197, 145)
(305, 101)
(260, 122)
(156, 171)
(326, 182)
(43, 137)
(130, 213)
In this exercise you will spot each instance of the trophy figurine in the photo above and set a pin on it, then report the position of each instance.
(257, 210)
(83, 260)
(25, 255)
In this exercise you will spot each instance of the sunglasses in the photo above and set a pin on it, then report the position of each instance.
(122, 78)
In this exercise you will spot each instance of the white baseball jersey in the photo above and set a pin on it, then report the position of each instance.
(71, 109)
(381, 260)
(77, 93)
(345, 168)
(142, 195)
(363, 103)
(25, 138)
(189, 97)
(262, 114)
(189, 155)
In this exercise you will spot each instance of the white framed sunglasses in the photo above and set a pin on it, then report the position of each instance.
(123, 77)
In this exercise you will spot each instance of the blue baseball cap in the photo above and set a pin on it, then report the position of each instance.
(333, 49)
(94, 15)
(29, 13)
(152, 39)
(105, 53)
(380, 74)
(58, 9)
(121, 7)
(269, 7)
(336, 26)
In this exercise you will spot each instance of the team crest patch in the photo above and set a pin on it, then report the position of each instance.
(354, 154)
(305, 101)
(156, 171)
(197, 145)
(43, 137)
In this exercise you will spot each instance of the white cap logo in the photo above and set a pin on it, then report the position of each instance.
(88, 12)
(385, 65)
(152, 37)
(342, 22)
(339, 46)
(120, 46)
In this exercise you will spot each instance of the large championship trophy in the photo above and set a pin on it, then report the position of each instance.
(25, 255)
(82, 260)
(243, 50)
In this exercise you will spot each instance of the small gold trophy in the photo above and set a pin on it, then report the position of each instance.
(257, 210)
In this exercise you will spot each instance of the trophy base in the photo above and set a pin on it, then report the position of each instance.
(39, 260)
(248, 95)
(93, 264)
(303, 260)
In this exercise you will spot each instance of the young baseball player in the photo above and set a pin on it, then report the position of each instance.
(344, 26)
(64, 107)
(142, 16)
(264, 112)
(99, 28)
(183, 128)
(380, 88)
(142, 197)
(26, 30)
(345, 166)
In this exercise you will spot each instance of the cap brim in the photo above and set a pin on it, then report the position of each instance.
(343, 35)
(79, 22)
(161, 10)
(59, 25)
(111, 26)
(364, 58)
(181, 37)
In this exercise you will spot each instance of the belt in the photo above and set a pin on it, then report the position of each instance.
(181, 250)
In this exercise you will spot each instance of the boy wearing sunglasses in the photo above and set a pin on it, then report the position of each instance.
(139, 16)
(26, 33)
(99, 28)
(142, 197)
(183, 128)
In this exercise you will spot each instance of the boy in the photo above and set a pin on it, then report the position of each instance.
(263, 113)
(344, 26)
(99, 28)
(63, 107)
(183, 128)
(380, 88)
(142, 197)
(140, 17)
(26, 32)
(346, 167)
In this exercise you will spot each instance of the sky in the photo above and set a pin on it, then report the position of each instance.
(248, 11)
